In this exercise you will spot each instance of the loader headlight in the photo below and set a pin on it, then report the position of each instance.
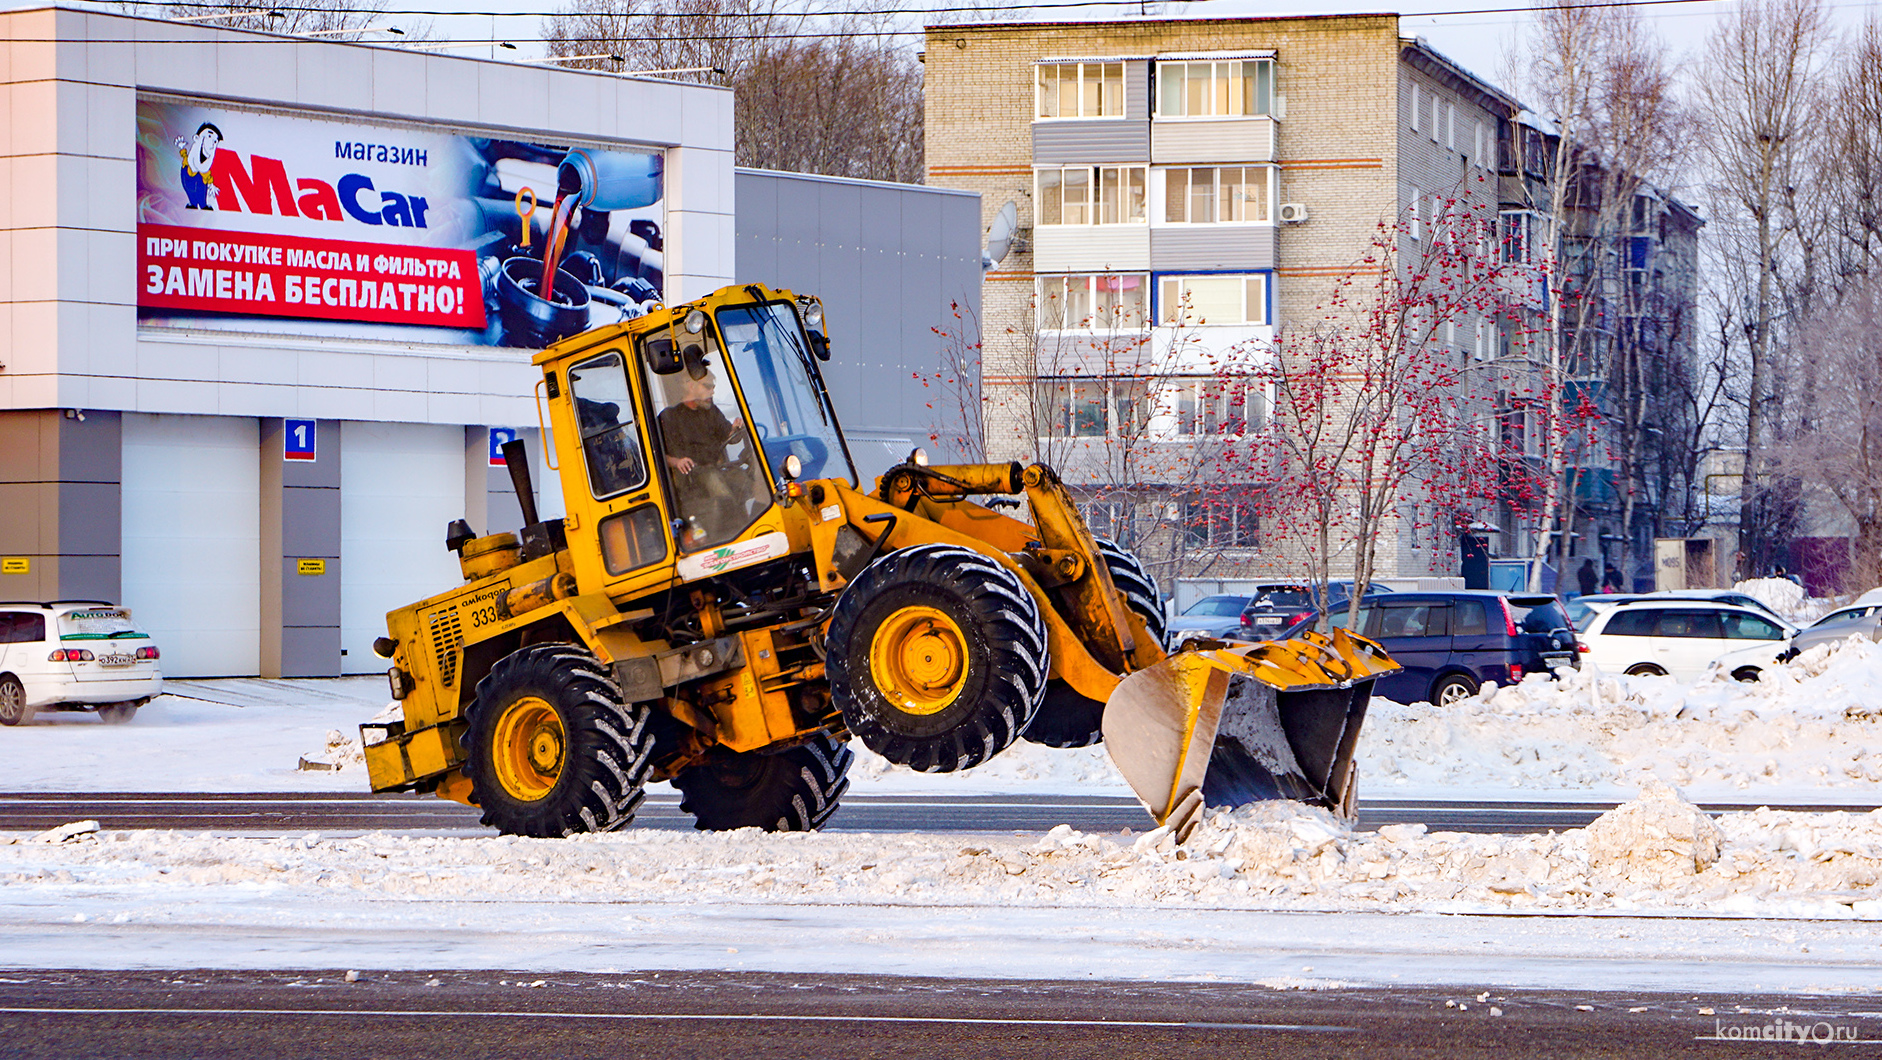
(813, 314)
(400, 681)
(918, 457)
(793, 467)
(695, 322)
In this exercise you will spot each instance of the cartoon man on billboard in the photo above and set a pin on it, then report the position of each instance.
(199, 154)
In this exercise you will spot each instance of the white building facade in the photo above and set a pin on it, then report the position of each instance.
(267, 307)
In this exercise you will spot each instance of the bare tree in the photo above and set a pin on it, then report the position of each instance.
(339, 20)
(1761, 93)
(1377, 420)
(830, 94)
(1853, 157)
(1836, 447)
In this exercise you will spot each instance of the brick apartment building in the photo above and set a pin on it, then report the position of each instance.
(1184, 188)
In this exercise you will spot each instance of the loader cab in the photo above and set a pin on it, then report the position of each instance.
(687, 426)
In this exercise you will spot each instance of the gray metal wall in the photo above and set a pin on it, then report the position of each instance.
(889, 262)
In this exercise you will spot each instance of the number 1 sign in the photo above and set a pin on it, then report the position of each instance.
(299, 441)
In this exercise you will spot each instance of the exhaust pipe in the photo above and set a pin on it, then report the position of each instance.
(516, 457)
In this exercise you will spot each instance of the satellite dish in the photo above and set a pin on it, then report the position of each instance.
(1000, 236)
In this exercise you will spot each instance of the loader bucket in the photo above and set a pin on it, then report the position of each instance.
(1228, 726)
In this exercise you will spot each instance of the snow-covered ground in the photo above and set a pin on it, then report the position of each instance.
(1766, 901)
(1773, 897)
(1808, 733)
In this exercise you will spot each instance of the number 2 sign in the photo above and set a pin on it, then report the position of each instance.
(299, 441)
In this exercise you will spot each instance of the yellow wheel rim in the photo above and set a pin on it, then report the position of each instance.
(526, 747)
(918, 658)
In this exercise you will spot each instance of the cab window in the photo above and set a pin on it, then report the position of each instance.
(1700, 625)
(604, 414)
(22, 627)
(718, 486)
(1637, 623)
(1410, 620)
(1750, 627)
(632, 539)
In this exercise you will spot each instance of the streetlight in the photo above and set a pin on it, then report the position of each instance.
(393, 30)
(462, 44)
(228, 14)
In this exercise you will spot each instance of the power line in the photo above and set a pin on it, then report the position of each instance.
(845, 34)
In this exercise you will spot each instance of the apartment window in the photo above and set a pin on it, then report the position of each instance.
(1220, 523)
(1220, 89)
(1417, 214)
(1213, 407)
(1216, 194)
(1080, 90)
(1477, 153)
(1102, 302)
(1215, 299)
(1091, 195)
(1450, 126)
(1418, 105)
(1093, 408)
(1486, 347)
(1518, 236)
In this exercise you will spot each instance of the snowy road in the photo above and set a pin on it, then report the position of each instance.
(671, 1015)
(268, 814)
(1653, 896)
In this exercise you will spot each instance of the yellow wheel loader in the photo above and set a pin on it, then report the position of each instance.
(724, 605)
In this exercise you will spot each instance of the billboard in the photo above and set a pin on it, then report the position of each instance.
(262, 221)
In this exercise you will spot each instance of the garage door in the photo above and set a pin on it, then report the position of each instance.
(400, 483)
(192, 540)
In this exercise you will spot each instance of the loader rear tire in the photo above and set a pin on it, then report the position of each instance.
(937, 657)
(1068, 719)
(790, 791)
(551, 748)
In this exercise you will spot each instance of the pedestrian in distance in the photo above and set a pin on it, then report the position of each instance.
(1587, 577)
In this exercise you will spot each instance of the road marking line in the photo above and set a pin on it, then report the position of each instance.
(696, 1016)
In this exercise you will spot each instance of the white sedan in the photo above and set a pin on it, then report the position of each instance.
(1683, 638)
(74, 655)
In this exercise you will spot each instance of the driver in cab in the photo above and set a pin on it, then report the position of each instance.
(696, 434)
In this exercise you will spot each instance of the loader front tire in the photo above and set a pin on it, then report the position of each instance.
(790, 791)
(937, 657)
(1068, 719)
(551, 749)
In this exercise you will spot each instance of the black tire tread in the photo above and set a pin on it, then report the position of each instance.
(606, 760)
(1067, 718)
(797, 792)
(1016, 638)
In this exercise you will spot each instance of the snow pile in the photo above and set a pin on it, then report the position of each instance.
(1659, 835)
(1814, 724)
(342, 752)
(1782, 595)
(1651, 854)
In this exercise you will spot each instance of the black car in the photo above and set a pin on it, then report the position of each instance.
(1216, 617)
(1453, 643)
(1276, 607)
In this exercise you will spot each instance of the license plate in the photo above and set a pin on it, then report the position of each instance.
(117, 660)
(1268, 620)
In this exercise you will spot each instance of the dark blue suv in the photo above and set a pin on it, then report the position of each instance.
(1453, 643)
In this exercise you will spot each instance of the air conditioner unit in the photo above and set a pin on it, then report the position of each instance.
(1293, 213)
